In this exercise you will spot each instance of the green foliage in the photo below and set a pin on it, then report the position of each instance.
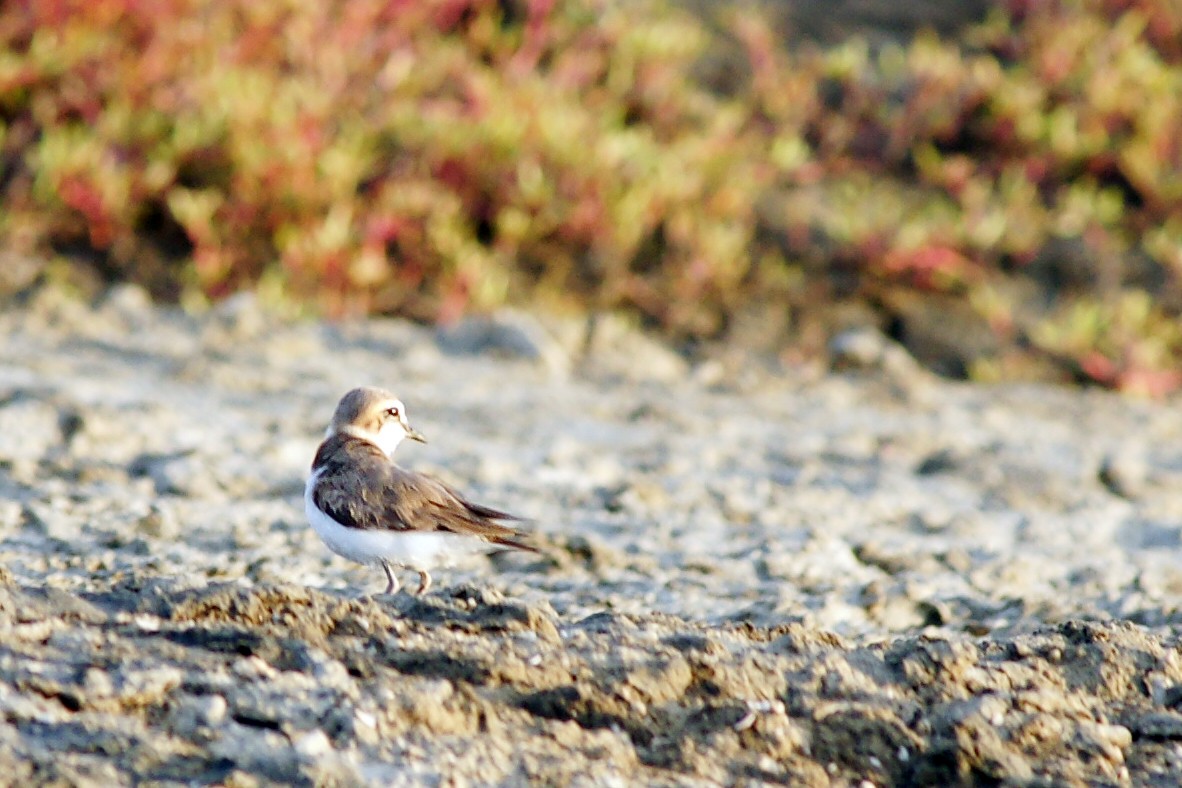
(420, 157)
(428, 158)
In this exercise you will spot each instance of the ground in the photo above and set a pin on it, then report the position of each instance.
(753, 570)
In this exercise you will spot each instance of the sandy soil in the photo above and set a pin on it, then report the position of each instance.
(754, 573)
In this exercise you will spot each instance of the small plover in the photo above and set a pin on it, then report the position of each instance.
(369, 510)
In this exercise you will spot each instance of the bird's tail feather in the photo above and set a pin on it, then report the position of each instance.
(515, 541)
(490, 513)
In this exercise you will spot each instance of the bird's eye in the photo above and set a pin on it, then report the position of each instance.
(392, 412)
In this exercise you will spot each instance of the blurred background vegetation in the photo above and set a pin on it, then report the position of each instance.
(998, 185)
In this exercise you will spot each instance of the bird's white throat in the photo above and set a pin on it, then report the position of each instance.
(386, 439)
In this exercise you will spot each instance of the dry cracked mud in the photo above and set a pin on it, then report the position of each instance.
(141, 683)
(756, 573)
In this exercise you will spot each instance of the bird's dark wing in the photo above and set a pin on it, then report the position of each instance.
(351, 488)
(360, 488)
(433, 506)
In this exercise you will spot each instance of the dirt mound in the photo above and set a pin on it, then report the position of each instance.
(280, 683)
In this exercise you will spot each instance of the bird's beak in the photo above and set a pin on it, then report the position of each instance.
(414, 434)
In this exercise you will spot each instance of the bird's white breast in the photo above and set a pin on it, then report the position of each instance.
(406, 548)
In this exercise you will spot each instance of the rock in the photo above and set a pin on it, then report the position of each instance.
(196, 716)
(614, 346)
(1124, 471)
(131, 302)
(506, 334)
(178, 474)
(30, 426)
(945, 334)
(866, 349)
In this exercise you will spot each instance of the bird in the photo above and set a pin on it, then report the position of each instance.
(370, 510)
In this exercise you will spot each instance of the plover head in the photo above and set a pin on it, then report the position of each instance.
(374, 415)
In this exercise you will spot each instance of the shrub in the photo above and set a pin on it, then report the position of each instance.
(385, 156)
(428, 158)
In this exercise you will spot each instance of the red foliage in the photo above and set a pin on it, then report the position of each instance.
(439, 155)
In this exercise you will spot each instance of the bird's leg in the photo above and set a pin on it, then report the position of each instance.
(424, 582)
(393, 586)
